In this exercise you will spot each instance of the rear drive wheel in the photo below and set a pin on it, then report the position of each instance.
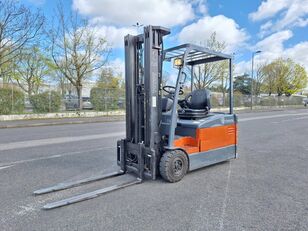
(173, 165)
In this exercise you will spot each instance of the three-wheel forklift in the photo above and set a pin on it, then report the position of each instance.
(166, 134)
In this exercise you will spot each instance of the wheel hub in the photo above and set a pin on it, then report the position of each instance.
(178, 165)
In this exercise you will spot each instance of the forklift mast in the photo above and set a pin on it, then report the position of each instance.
(140, 151)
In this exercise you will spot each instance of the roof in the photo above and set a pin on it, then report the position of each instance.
(196, 54)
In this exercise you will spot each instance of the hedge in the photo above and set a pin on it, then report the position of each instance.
(294, 100)
(46, 102)
(238, 99)
(281, 100)
(6, 97)
(106, 99)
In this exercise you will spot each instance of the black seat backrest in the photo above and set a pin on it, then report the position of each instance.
(199, 99)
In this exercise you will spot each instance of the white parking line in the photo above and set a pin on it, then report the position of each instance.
(224, 205)
(6, 166)
(271, 116)
(58, 140)
(291, 119)
(11, 164)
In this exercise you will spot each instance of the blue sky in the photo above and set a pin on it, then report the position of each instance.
(277, 27)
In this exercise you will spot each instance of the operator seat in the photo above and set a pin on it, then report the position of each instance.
(196, 105)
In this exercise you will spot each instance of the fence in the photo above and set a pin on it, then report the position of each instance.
(13, 101)
(260, 101)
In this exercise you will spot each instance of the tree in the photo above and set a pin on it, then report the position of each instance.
(242, 84)
(297, 79)
(269, 81)
(18, 27)
(109, 91)
(258, 81)
(31, 68)
(76, 51)
(108, 80)
(209, 73)
(213, 72)
(64, 84)
(284, 76)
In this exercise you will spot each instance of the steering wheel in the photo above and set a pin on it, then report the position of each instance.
(185, 103)
(188, 100)
(168, 88)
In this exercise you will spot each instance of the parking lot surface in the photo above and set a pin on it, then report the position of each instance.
(264, 189)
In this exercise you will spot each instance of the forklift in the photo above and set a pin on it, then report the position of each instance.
(167, 134)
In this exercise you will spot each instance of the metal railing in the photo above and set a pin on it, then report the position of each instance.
(102, 99)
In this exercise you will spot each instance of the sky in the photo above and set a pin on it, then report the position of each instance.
(278, 28)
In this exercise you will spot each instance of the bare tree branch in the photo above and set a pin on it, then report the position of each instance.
(18, 28)
(76, 51)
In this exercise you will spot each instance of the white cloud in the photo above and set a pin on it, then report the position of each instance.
(128, 12)
(227, 30)
(265, 28)
(272, 47)
(273, 44)
(241, 68)
(113, 35)
(113, 19)
(37, 2)
(118, 66)
(302, 22)
(200, 6)
(268, 9)
(290, 13)
(294, 15)
(299, 53)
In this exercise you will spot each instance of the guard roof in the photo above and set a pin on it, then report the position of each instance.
(195, 54)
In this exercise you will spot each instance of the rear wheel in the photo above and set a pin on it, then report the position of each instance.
(173, 165)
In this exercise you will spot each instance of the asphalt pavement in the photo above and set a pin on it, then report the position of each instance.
(264, 189)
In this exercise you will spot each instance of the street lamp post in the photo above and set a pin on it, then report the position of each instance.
(251, 85)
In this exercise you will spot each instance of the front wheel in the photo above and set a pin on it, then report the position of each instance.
(173, 165)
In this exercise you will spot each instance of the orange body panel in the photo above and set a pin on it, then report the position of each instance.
(189, 144)
(216, 137)
(208, 138)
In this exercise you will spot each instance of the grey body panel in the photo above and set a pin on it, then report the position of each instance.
(202, 159)
(211, 120)
(188, 127)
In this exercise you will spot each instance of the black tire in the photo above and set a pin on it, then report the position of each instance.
(173, 165)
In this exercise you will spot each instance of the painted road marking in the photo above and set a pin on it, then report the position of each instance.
(58, 140)
(291, 119)
(224, 204)
(271, 116)
(6, 166)
(11, 164)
